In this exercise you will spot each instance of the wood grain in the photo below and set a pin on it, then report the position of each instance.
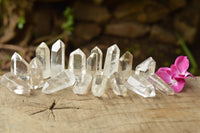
(66, 112)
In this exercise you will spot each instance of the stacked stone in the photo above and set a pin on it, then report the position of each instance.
(49, 73)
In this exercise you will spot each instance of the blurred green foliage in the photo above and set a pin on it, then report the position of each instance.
(68, 25)
(21, 22)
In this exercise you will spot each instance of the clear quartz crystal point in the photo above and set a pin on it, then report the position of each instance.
(147, 66)
(57, 57)
(125, 64)
(111, 64)
(99, 57)
(82, 84)
(43, 54)
(140, 85)
(15, 84)
(99, 84)
(92, 63)
(62, 80)
(77, 62)
(19, 67)
(160, 85)
(117, 83)
(35, 72)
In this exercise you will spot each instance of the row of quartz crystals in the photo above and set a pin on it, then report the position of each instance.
(49, 73)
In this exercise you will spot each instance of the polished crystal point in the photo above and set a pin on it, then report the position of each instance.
(117, 83)
(35, 72)
(43, 54)
(82, 84)
(77, 62)
(57, 57)
(140, 85)
(125, 64)
(92, 63)
(99, 57)
(19, 67)
(15, 84)
(62, 80)
(99, 84)
(160, 85)
(147, 66)
(111, 64)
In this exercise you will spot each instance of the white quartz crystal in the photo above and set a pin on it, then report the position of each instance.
(160, 85)
(125, 64)
(117, 83)
(99, 84)
(99, 53)
(77, 62)
(43, 54)
(35, 73)
(140, 85)
(62, 80)
(92, 63)
(111, 64)
(19, 67)
(147, 66)
(82, 84)
(57, 57)
(15, 84)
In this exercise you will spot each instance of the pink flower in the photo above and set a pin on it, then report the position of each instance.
(176, 74)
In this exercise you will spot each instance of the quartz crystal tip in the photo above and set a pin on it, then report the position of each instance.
(111, 64)
(43, 54)
(147, 66)
(99, 53)
(57, 57)
(19, 66)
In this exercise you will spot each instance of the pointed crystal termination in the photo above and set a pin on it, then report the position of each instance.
(161, 85)
(57, 57)
(77, 62)
(99, 53)
(19, 67)
(117, 83)
(61, 81)
(99, 84)
(35, 72)
(92, 63)
(147, 66)
(15, 84)
(43, 54)
(111, 64)
(125, 64)
(82, 84)
(140, 85)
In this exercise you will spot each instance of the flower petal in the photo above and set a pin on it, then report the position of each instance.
(178, 86)
(182, 63)
(163, 74)
(174, 70)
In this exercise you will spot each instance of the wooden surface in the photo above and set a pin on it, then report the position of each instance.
(65, 112)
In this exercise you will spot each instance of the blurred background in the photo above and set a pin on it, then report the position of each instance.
(163, 29)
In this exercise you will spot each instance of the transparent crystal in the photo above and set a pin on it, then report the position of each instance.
(77, 62)
(19, 67)
(99, 53)
(125, 64)
(62, 80)
(82, 84)
(140, 85)
(15, 84)
(92, 63)
(57, 57)
(35, 72)
(43, 54)
(99, 84)
(117, 83)
(111, 64)
(147, 66)
(161, 85)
